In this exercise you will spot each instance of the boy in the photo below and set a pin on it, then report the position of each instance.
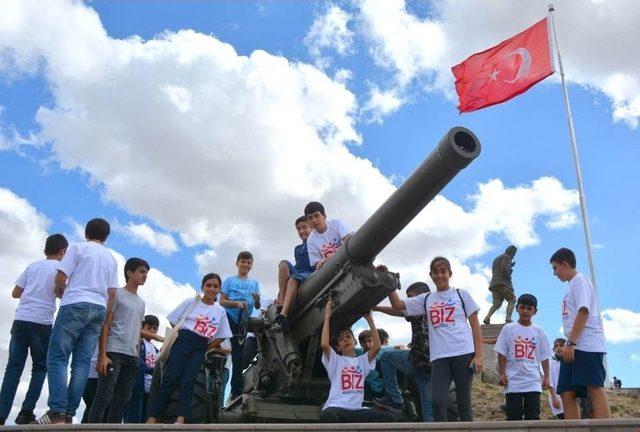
(31, 329)
(555, 402)
(118, 346)
(90, 273)
(522, 346)
(291, 277)
(582, 373)
(346, 373)
(413, 363)
(327, 236)
(147, 354)
(239, 295)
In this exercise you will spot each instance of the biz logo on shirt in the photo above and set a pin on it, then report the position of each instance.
(150, 360)
(330, 248)
(352, 379)
(205, 327)
(442, 314)
(565, 312)
(525, 348)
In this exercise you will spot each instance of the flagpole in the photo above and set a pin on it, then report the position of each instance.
(576, 159)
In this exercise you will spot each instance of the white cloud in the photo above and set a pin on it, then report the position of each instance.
(597, 42)
(142, 233)
(381, 103)
(329, 31)
(621, 325)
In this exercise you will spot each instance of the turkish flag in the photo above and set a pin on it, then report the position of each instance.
(504, 71)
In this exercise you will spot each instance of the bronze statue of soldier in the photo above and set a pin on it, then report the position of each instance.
(501, 286)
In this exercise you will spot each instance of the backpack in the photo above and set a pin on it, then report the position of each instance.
(464, 308)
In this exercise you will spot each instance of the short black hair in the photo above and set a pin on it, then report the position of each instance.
(564, 254)
(244, 255)
(134, 264)
(208, 276)
(363, 335)
(97, 229)
(561, 340)
(419, 287)
(151, 320)
(336, 335)
(383, 335)
(54, 244)
(301, 219)
(528, 300)
(312, 207)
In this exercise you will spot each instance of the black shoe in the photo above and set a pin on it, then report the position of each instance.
(24, 417)
(280, 324)
(51, 418)
(387, 404)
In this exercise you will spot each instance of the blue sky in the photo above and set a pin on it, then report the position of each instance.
(197, 144)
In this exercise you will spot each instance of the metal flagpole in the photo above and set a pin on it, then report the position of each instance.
(576, 159)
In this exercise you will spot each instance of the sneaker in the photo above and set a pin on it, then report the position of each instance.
(280, 324)
(68, 419)
(51, 418)
(388, 404)
(25, 417)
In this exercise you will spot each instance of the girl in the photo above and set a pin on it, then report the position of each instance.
(205, 322)
(456, 349)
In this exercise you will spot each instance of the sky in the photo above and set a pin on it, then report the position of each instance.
(199, 129)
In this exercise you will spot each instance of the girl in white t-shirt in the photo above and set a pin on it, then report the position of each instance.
(455, 346)
(205, 323)
(555, 401)
(347, 374)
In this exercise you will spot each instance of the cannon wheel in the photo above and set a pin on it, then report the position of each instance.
(202, 409)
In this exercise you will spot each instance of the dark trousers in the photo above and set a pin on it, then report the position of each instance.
(363, 415)
(237, 359)
(527, 403)
(443, 370)
(114, 389)
(137, 412)
(25, 336)
(87, 397)
(185, 360)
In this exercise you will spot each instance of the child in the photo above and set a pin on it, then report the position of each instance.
(455, 349)
(414, 363)
(347, 373)
(327, 236)
(582, 373)
(90, 389)
(118, 346)
(290, 277)
(555, 402)
(522, 346)
(239, 296)
(90, 272)
(366, 341)
(31, 329)
(206, 323)
(147, 354)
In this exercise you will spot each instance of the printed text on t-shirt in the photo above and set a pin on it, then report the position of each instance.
(352, 380)
(204, 327)
(330, 248)
(442, 314)
(525, 348)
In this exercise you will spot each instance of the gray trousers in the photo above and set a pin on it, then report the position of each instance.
(443, 370)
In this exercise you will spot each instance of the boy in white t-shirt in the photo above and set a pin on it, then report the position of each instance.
(31, 329)
(347, 374)
(522, 346)
(555, 402)
(327, 236)
(86, 278)
(582, 371)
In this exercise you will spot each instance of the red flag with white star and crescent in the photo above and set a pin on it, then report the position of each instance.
(504, 71)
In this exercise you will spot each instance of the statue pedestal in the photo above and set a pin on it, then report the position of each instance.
(490, 334)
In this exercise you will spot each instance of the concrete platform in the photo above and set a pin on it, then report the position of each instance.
(614, 425)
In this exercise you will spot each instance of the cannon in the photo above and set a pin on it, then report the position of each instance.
(287, 381)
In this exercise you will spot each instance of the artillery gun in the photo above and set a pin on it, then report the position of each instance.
(287, 382)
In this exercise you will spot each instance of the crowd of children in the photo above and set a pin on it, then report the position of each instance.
(102, 328)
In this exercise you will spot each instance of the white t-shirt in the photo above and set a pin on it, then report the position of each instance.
(226, 344)
(582, 294)
(524, 347)
(554, 374)
(208, 321)
(150, 356)
(347, 376)
(323, 245)
(449, 331)
(91, 270)
(38, 299)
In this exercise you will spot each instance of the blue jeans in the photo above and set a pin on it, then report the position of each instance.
(398, 360)
(25, 336)
(76, 332)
